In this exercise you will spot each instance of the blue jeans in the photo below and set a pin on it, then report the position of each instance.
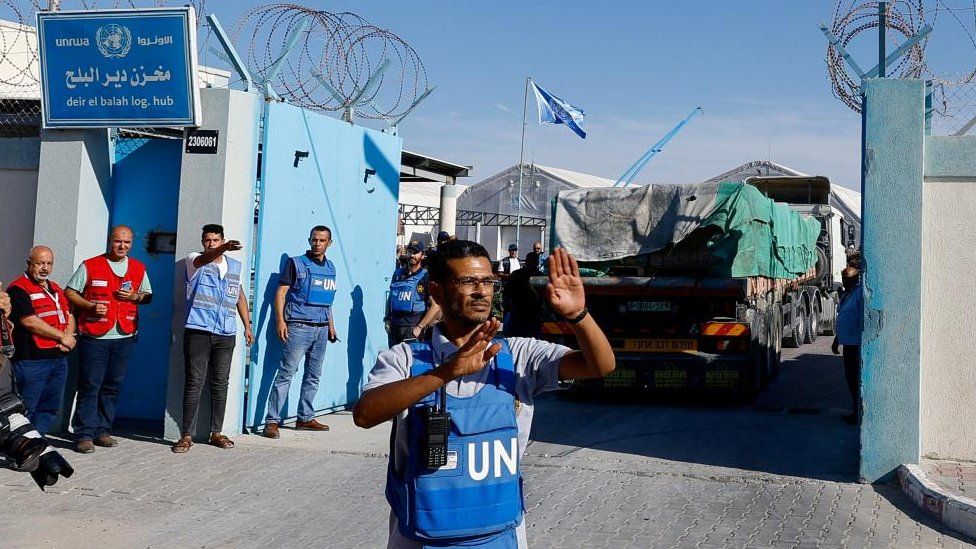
(41, 386)
(101, 371)
(306, 343)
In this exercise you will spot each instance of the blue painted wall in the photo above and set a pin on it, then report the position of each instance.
(892, 237)
(326, 188)
(146, 181)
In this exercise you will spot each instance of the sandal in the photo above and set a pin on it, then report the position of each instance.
(221, 441)
(182, 446)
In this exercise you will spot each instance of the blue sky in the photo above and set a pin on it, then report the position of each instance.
(756, 67)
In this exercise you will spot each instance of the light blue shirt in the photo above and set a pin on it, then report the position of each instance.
(850, 317)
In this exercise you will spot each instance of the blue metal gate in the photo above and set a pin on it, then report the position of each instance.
(319, 170)
(146, 182)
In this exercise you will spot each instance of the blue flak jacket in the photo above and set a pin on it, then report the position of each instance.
(211, 302)
(476, 499)
(312, 294)
(405, 295)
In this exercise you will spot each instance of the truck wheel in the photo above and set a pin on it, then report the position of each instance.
(797, 332)
(829, 327)
(813, 324)
(778, 338)
(772, 349)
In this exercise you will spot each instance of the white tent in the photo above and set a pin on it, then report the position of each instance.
(498, 197)
(847, 201)
(420, 195)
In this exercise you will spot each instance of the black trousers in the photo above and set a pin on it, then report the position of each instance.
(398, 334)
(205, 355)
(852, 371)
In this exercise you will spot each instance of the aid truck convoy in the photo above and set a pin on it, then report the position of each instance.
(698, 286)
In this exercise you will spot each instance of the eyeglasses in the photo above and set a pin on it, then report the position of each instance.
(468, 284)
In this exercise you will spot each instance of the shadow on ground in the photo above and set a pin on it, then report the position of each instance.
(892, 492)
(793, 428)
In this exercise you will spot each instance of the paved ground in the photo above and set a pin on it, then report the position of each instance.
(957, 477)
(774, 474)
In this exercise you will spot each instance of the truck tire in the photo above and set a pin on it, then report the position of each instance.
(778, 337)
(796, 333)
(813, 324)
(774, 348)
(827, 328)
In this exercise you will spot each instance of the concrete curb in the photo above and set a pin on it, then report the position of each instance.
(956, 512)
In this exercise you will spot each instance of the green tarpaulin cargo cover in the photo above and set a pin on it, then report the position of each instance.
(751, 234)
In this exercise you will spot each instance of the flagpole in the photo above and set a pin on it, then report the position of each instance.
(518, 216)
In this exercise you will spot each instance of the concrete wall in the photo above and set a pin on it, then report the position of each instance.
(74, 196)
(18, 198)
(893, 140)
(215, 188)
(948, 380)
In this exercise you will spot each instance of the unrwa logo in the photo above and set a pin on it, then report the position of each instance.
(113, 40)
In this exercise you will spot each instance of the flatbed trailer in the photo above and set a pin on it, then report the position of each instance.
(679, 334)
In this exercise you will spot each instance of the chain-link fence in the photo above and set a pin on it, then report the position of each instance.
(954, 109)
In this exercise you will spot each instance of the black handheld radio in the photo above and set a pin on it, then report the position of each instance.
(437, 426)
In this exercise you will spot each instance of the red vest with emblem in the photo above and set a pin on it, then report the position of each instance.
(49, 306)
(101, 287)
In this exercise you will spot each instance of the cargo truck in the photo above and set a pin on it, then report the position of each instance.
(810, 309)
(696, 286)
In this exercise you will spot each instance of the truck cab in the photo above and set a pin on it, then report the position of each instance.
(811, 309)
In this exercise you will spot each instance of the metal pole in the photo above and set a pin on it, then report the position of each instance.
(882, 25)
(518, 213)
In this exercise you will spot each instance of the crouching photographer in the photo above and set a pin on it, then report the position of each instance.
(19, 441)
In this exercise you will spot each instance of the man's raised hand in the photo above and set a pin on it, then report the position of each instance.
(565, 288)
(476, 352)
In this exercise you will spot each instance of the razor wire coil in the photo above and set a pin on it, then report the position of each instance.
(342, 50)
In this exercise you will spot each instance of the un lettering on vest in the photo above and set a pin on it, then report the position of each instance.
(493, 457)
(405, 296)
(324, 283)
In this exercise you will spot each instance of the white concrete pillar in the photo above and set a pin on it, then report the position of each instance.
(449, 196)
(216, 188)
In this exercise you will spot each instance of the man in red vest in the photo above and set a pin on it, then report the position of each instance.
(46, 335)
(106, 291)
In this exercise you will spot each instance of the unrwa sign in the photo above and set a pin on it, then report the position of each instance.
(118, 68)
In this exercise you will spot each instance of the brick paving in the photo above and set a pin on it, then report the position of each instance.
(597, 475)
(955, 476)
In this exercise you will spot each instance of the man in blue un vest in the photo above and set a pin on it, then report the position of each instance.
(409, 308)
(303, 305)
(487, 386)
(213, 301)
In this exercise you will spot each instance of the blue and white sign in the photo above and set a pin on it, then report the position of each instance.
(119, 68)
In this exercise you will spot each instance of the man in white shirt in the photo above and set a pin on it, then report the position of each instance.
(213, 301)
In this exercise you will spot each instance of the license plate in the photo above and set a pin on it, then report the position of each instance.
(648, 306)
(660, 345)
